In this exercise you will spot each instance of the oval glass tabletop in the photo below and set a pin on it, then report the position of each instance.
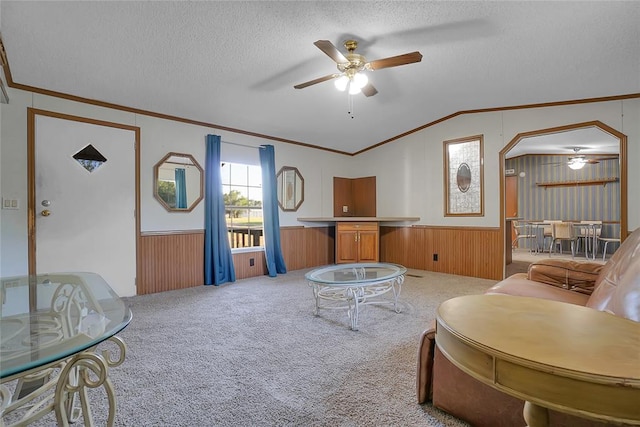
(355, 274)
(54, 316)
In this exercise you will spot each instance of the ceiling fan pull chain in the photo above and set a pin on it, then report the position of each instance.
(350, 104)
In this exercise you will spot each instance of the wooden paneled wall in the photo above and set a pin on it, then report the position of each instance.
(171, 260)
(175, 260)
(306, 247)
(466, 251)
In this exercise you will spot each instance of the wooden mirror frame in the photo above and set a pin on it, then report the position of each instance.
(292, 201)
(156, 170)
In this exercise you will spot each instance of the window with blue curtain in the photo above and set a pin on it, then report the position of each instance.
(218, 261)
(272, 247)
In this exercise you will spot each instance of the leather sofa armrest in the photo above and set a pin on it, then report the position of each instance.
(578, 276)
(424, 375)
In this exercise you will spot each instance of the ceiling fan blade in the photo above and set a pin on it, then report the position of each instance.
(394, 61)
(332, 52)
(369, 90)
(316, 81)
(595, 160)
(605, 158)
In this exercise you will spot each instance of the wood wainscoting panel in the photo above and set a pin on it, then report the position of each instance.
(292, 242)
(466, 251)
(242, 264)
(170, 261)
(173, 260)
(320, 246)
(394, 245)
(306, 247)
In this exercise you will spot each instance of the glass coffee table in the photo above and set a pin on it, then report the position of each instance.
(57, 341)
(349, 286)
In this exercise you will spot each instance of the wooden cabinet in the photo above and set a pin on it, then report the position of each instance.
(357, 242)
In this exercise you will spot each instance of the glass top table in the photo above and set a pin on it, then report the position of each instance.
(54, 322)
(350, 286)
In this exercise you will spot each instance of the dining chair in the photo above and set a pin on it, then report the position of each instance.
(563, 231)
(606, 241)
(547, 231)
(522, 232)
(586, 234)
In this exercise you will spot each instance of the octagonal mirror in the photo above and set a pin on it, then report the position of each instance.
(178, 182)
(290, 188)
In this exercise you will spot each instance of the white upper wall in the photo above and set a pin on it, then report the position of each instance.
(409, 171)
(157, 138)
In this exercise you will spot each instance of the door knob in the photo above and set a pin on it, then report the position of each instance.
(45, 212)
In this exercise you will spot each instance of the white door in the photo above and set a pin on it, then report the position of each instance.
(85, 220)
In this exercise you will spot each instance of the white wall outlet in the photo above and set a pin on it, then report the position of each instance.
(345, 209)
(10, 204)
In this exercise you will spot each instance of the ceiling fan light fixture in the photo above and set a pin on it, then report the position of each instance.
(353, 88)
(576, 164)
(341, 83)
(360, 80)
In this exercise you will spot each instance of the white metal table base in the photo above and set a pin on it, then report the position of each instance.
(63, 388)
(357, 295)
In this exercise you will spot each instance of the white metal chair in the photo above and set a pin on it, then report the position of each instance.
(547, 231)
(563, 231)
(606, 241)
(587, 234)
(522, 232)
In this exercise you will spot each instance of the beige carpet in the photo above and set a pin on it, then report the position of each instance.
(252, 353)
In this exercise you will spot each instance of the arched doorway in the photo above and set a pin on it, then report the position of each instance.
(537, 136)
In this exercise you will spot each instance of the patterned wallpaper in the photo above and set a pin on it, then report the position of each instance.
(574, 203)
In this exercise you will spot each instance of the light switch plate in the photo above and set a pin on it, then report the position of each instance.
(345, 209)
(10, 204)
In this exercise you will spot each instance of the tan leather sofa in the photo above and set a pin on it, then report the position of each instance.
(613, 287)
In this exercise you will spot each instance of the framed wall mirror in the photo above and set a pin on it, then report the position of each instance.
(290, 188)
(178, 182)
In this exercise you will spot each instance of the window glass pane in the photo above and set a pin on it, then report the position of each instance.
(255, 176)
(243, 204)
(238, 195)
(255, 196)
(225, 173)
(239, 174)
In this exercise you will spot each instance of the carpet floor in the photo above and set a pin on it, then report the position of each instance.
(252, 353)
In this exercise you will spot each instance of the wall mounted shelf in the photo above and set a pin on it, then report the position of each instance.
(603, 182)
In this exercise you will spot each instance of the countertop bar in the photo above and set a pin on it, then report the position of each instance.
(360, 219)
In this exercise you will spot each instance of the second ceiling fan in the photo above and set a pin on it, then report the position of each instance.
(578, 161)
(352, 65)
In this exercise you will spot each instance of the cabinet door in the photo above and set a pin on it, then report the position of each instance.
(368, 246)
(346, 246)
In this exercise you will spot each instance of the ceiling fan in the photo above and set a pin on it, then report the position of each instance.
(579, 160)
(352, 65)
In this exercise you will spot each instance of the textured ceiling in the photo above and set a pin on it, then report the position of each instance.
(234, 64)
